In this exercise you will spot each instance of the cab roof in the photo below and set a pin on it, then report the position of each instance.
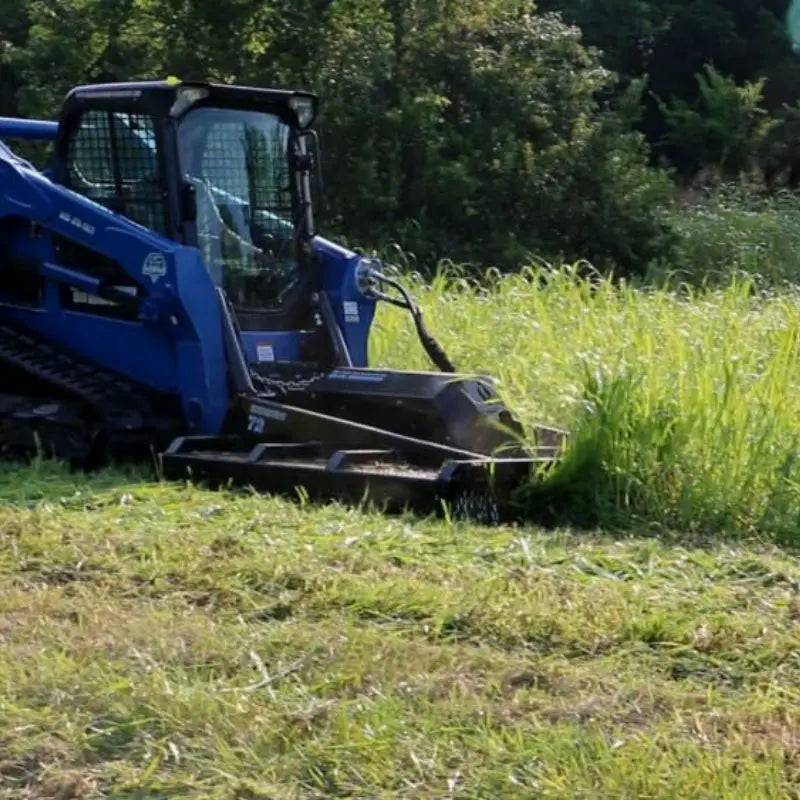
(167, 92)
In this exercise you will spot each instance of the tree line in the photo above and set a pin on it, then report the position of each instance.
(480, 130)
(719, 81)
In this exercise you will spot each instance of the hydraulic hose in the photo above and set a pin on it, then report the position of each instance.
(434, 350)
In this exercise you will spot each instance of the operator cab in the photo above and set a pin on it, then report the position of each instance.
(226, 169)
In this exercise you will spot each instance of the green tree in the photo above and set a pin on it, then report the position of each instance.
(14, 25)
(671, 41)
(726, 128)
(462, 128)
(483, 138)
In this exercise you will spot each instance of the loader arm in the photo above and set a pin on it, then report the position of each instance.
(63, 253)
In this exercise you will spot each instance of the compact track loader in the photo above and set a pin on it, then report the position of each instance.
(162, 285)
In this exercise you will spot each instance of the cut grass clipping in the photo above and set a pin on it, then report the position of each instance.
(160, 641)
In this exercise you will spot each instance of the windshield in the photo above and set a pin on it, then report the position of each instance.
(239, 165)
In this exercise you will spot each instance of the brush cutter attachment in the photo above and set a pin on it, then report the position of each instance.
(465, 455)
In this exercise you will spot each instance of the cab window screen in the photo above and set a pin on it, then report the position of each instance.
(113, 160)
(238, 163)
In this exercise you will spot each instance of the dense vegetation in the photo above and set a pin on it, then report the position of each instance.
(482, 130)
(161, 641)
(722, 80)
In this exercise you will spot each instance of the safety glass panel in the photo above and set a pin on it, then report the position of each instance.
(238, 163)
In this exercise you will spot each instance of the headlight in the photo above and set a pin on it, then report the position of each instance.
(365, 281)
(305, 107)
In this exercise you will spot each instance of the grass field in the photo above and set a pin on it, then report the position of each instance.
(161, 641)
(683, 404)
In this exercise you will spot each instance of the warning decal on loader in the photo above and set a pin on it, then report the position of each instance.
(265, 351)
(355, 375)
(350, 309)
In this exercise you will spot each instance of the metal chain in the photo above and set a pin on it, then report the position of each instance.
(284, 387)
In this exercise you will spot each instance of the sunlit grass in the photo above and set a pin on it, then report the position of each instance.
(161, 641)
(684, 404)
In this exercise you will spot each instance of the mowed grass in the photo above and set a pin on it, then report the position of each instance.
(163, 641)
(160, 641)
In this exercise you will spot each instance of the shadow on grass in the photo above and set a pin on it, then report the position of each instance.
(580, 495)
(42, 480)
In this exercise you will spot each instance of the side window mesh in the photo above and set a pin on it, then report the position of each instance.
(113, 160)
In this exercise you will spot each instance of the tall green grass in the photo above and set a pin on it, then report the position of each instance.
(684, 405)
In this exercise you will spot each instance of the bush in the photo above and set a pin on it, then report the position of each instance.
(730, 231)
(481, 138)
(726, 128)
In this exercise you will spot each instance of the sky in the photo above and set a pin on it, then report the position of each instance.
(793, 24)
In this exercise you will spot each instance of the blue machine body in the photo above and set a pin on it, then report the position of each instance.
(28, 128)
(174, 345)
(163, 288)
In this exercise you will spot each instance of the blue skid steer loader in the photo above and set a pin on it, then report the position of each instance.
(162, 286)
